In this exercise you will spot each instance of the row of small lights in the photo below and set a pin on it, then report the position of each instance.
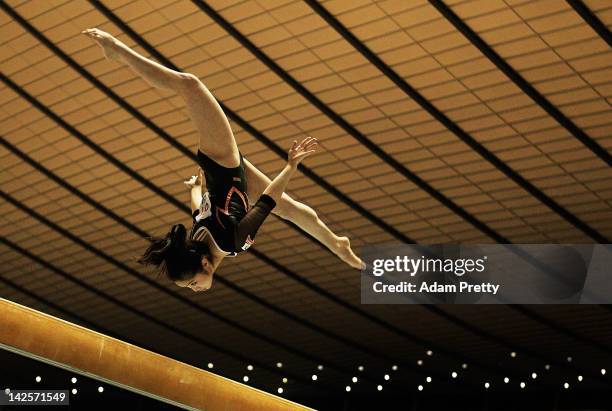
(74, 391)
(534, 375)
(428, 379)
(386, 377)
(315, 377)
(566, 385)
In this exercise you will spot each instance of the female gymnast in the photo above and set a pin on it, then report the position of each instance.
(225, 219)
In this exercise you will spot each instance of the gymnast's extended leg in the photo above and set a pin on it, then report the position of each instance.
(303, 216)
(215, 135)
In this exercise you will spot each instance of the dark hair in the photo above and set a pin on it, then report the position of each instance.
(174, 256)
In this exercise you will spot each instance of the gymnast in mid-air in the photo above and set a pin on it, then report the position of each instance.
(230, 197)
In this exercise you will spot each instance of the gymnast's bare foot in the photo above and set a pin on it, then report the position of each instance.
(108, 43)
(347, 255)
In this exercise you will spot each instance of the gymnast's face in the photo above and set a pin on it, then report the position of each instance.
(202, 280)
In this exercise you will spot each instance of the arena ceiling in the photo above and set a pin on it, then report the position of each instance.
(439, 122)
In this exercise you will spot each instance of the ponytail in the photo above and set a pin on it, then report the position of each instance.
(177, 236)
(174, 256)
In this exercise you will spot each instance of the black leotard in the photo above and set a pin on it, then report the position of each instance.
(230, 221)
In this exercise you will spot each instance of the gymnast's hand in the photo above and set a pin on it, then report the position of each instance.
(108, 43)
(299, 152)
(195, 181)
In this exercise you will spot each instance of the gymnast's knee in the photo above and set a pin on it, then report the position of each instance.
(187, 82)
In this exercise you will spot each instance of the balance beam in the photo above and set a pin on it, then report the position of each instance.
(45, 338)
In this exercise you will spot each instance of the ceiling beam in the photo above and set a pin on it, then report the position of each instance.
(592, 20)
